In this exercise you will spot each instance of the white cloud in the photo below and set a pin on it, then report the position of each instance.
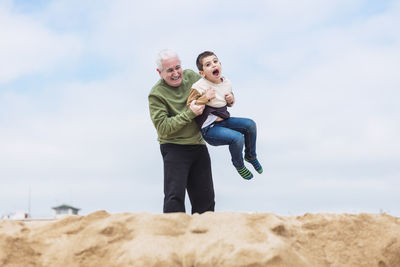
(323, 95)
(28, 47)
(97, 136)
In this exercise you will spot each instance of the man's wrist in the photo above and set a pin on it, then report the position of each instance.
(190, 113)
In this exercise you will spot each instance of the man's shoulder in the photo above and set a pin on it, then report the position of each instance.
(159, 88)
(189, 72)
(191, 75)
(156, 88)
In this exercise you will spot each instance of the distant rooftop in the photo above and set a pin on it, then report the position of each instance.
(64, 206)
(64, 210)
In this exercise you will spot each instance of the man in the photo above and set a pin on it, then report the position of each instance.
(187, 163)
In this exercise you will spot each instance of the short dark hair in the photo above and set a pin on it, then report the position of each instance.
(199, 60)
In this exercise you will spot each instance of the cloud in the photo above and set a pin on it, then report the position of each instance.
(320, 80)
(28, 47)
(96, 137)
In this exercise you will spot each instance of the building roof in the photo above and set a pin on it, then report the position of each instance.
(64, 206)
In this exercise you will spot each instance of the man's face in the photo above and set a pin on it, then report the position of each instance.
(172, 71)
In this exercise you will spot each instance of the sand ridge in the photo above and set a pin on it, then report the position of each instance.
(209, 239)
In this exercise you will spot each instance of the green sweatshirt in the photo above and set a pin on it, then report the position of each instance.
(171, 117)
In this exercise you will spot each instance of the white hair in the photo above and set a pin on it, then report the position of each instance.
(164, 55)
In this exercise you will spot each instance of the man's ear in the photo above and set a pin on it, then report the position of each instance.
(159, 72)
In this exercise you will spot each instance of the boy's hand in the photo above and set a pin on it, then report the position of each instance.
(197, 109)
(210, 93)
(230, 99)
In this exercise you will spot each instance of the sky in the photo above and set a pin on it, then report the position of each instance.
(320, 79)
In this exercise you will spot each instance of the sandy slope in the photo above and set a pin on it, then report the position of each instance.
(210, 239)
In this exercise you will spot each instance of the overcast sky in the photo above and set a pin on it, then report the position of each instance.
(320, 78)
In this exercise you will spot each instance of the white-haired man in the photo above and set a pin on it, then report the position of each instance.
(187, 165)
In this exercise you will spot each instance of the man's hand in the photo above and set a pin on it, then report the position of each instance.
(197, 109)
(210, 93)
(230, 99)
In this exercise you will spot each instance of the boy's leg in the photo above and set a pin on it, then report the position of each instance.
(249, 129)
(176, 170)
(219, 135)
(200, 184)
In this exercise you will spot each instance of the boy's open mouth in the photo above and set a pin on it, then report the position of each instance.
(215, 72)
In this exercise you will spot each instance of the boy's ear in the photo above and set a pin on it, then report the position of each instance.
(202, 73)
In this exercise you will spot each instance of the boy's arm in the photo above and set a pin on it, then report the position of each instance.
(230, 99)
(195, 95)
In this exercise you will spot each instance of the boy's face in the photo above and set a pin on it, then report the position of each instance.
(212, 69)
(171, 72)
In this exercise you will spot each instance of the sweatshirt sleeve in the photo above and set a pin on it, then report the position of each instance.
(164, 124)
(195, 95)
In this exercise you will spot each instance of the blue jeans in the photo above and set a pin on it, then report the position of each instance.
(234, 132)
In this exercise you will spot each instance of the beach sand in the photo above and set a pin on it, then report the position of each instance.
(211, 239)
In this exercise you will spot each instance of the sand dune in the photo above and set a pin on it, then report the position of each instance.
(210, 239)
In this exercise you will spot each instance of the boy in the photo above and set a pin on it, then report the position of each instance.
(217, 127)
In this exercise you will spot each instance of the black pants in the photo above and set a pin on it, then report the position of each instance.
(187, 167)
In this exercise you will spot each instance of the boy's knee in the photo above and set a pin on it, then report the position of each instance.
(251, 125)
(238, 139)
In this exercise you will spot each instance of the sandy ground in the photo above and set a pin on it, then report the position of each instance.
(210, 239)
